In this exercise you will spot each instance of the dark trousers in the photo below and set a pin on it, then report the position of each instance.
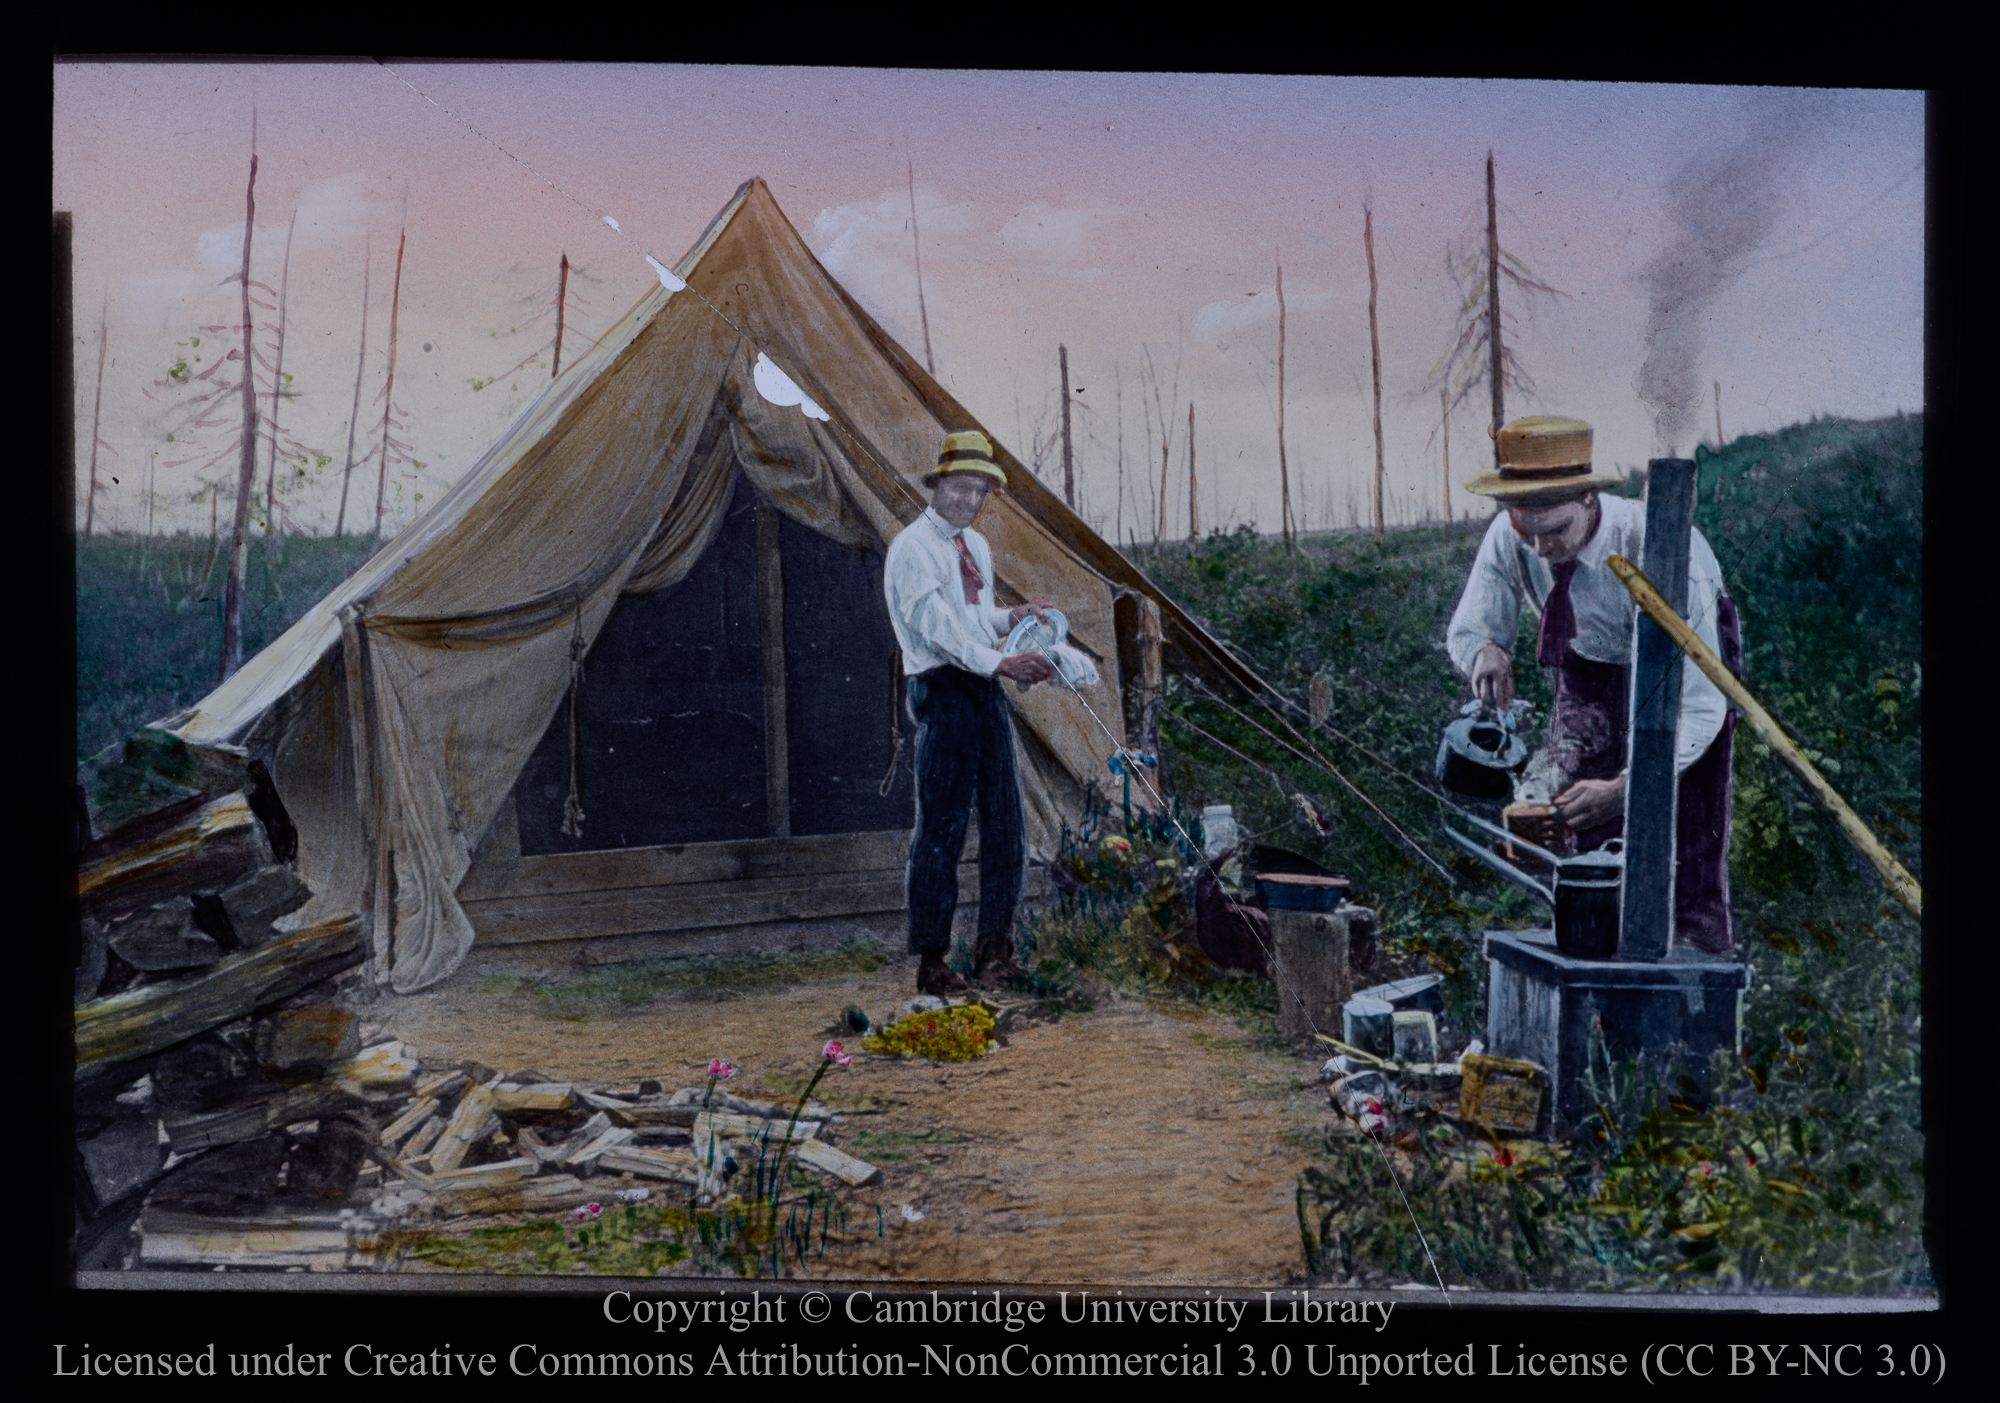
(965, 750)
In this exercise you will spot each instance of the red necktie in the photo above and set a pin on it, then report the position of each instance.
(1558, 618)
(968, 573)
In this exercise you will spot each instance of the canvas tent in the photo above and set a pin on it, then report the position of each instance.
(745, 422)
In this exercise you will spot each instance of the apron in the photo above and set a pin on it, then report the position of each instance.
(1589, 738)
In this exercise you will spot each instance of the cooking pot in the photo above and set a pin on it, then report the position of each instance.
(1583, 892)
(1481, 752)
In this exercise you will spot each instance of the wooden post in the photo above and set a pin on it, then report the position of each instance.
(771, 642)
(1194, 510)
(1309, 966)
(389, 387)
(1374, 358)
(1444, 413)
(1284, 472)
(1069, 464)
(1151, 676)
(360, 368)
(1494, 354)
(562, 301)
(246, 468)
(1651, 787)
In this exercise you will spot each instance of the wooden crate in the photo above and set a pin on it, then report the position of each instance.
(1503, 1093)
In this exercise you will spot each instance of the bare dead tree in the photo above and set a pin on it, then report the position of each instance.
(389, 389)
(1118, 518)
(1374, 356)
(246, 475)
(278, 391)
(1194, 509)
(1497, 360)
(360, 370)
(97, 420)
(1444, 418)
(1069, 461)
(1284, 472)
(923, 313)
(562, 297)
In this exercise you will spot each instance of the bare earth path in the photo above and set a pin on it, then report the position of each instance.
(1141, 1143)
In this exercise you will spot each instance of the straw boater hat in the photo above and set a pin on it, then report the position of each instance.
(1540, 456)
(967, 452)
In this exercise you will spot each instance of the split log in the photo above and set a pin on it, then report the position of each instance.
(306, 1039)
(763, 1110)
(253, 904)
(385, 1069)
(123, 1157)
(127, 787)
(418, 1112)
(544, 1096)
(598, 1101)
(246, 1122)
(211, 848)
(158, 937)
(677, 1165)
(550, 1193)
(419, 1144)
(476, 1118)
(437, 1087)
(482, 1176)
(655, 1112)
(156, 1016)
(608, 1138)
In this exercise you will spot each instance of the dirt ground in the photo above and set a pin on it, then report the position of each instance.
(1143, 1142)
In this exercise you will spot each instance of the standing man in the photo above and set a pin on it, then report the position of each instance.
(1547, 548)
(939, 583)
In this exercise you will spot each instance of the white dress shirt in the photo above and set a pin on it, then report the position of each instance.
(1508, 575)
(934, 625)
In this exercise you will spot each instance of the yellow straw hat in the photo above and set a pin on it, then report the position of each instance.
(966, 452)
(1540, 455)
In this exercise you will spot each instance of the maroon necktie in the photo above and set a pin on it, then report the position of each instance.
(968, 573)
(1558, 617)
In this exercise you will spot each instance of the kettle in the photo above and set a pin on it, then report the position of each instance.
(1583, 891)
(1481, 752)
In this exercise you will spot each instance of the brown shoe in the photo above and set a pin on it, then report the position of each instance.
(996, 973)
(937, 978)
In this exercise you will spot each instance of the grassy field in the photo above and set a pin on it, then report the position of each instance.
(1805, 1170)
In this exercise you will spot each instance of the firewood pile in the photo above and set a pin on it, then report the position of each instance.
(230, 1112)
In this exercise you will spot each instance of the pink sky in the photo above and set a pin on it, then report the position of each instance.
(1109, 213)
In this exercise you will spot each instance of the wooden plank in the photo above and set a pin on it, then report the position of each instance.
(385, 1068)
(723, 1125)
(771, 643)
(475, 1119)
(654, 1163)
(155, 1016)
(418, 1111)
(207, 850)
(817, 855)
(577, 915)
(169, 1238)
(609, 1138)
(817, 1154)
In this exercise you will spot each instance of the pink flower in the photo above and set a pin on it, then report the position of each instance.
(721, 1070)
(836, 1054)
(589, 1210)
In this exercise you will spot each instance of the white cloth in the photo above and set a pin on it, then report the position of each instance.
(934, 625)
(1508, 575)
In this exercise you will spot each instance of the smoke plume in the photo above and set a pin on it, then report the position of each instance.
(1720, 206)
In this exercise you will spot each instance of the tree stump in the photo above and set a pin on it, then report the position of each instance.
(1310, 966)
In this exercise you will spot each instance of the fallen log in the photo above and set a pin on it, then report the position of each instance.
(541, 1096)
(677, 1165)
(211, 848)
(156, 1016)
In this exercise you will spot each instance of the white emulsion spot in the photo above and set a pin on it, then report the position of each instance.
(669, 279)
(777, 387)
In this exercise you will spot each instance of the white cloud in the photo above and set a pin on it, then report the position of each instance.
(1053, 240)
(1221, 322)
